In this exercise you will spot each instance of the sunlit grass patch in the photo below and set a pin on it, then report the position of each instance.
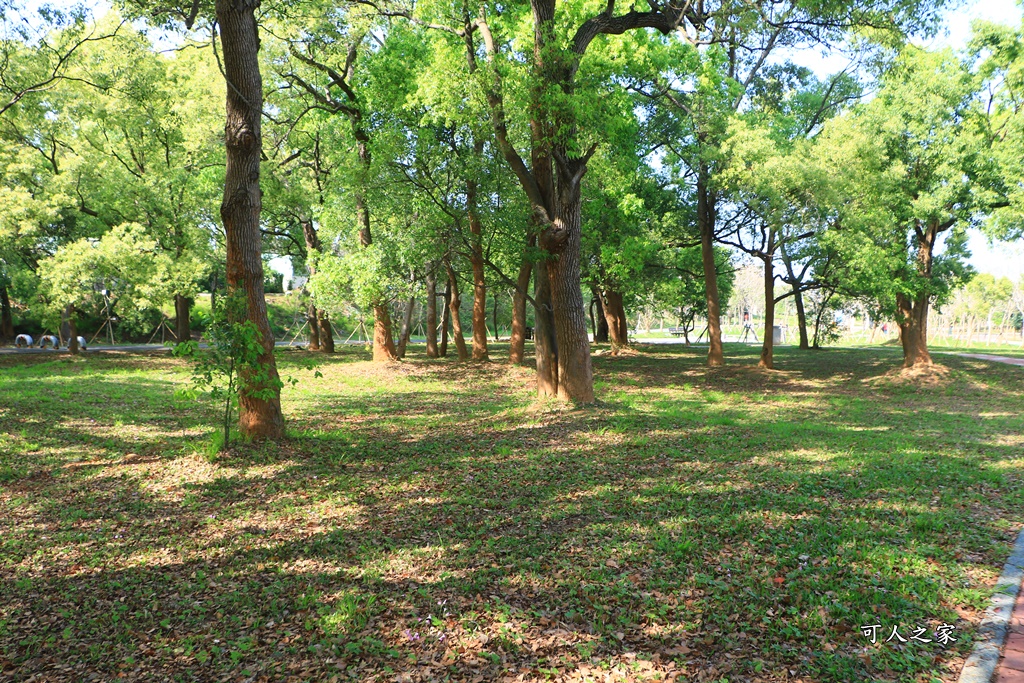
(433, 519)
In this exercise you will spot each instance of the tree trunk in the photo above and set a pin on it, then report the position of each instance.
(182, 323)
(517, 344)
(593, 321)
(706, 225)
(6, 316)
(213, 291)
(801, 319)
(544, 346)
(913, 314)
(494, 314)
(431, 315)
(383, 343)
(403, 341)
(822, 308)
(326, 331)
(446, 315)
(72, 319)
(321, 335)
(479, 310)
(476, 260)
(914, 330)
(601, 328)
(616, 326)
(454, 304)
(313, 320)
(259, 406)
(798, 299)
(575, 374)
(768, 343)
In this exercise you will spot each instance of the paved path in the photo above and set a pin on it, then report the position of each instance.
(128, 348)
(1011, 667)
(994, 359)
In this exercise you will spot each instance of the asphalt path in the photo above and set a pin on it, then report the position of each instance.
(126, 348)
(994, 359)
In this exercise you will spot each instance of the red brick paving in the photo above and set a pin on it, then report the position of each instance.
(1015, 642)
(1011, 667)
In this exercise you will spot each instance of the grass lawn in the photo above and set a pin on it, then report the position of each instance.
(431, 521)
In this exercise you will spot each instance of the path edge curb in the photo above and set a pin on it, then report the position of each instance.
(991, 636)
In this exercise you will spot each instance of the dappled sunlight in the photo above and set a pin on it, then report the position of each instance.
(435, 518)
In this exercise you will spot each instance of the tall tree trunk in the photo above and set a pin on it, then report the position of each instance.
(313, 320)
(182, 314)
(321, 335)
(801, 319)
(73, 345)
(494, 315)
(517, 343)
(798, 298)
(820, 314)
(544, 346)
(454, 304)
(213, 291)
(383, 343)
(431, 314)
(383, 340)
(768, 343)
(593, 321)
(403, 340)
(72, 320)
(602, 329)
(326, 331)
(476, 260)
(446, 315)
(914, 330)
(913, 313)
(6, 316)
(259, 406)
(575, 373)
(616, 324)
(479, 310)
(706, 224)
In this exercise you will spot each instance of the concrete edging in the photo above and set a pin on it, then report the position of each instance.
(981, 665)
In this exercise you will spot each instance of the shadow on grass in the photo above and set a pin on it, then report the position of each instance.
(705, 529)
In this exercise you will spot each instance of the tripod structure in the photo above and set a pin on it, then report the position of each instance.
(161, 329)
(108, 323)
(748, 330)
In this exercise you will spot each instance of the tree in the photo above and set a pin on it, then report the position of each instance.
(333, 88)
(260, 401)
(260, 413)
(152, 162)
(704, 89)
(999, 54)
(125, 260)
(910, 161)
(38, 53)
(680, 286)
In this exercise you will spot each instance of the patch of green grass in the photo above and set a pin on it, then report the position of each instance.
(431, 519)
